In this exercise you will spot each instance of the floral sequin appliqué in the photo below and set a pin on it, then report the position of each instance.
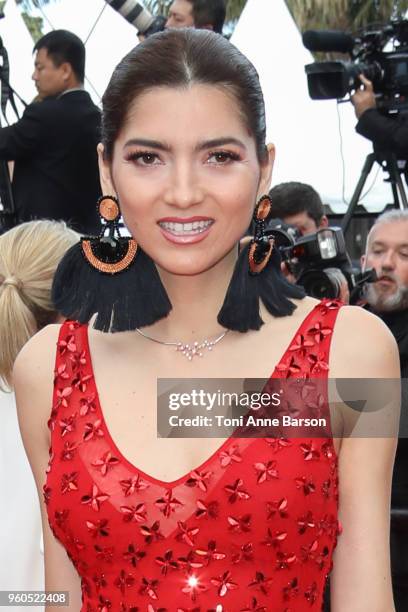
(253, 529)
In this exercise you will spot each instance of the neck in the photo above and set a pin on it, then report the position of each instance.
(72, 86)
(196, 302)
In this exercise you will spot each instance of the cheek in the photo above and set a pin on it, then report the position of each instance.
(135, 197)
(403, 273)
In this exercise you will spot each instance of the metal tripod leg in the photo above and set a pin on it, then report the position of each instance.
(368, 164)
(398, 190)
(397, 186)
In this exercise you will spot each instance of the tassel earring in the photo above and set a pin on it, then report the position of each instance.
(257, 275)
(109, 275)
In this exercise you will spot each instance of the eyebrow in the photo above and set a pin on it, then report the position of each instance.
(379, 243)
(202, 146)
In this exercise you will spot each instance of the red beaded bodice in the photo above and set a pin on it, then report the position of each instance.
(252, 528)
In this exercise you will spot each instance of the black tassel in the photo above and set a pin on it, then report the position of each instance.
(124, 301)
(240, 310)
(275, 290)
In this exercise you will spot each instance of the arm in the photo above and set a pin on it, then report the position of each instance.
(33, 382)
(388, 134)
(22, 139)
(361, 578)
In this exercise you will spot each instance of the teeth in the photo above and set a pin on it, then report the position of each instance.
(186, 228)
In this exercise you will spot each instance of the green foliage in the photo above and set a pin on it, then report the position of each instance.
(308, 14)
(342, 14)
(34, 25)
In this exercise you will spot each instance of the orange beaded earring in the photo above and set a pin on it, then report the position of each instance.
(261, 246)
(257, 277)
(109, 275)
(110, 253)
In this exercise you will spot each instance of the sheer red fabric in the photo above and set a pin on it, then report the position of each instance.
(252, 528)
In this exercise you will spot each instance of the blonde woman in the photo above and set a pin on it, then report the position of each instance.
(29, 255)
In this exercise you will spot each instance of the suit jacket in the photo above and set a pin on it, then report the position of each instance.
(54, 149)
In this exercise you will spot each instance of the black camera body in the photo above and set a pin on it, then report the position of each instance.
(319, 262)
(388, 70)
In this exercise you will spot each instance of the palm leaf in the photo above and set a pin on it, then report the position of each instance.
(308, 14)
(342, 14)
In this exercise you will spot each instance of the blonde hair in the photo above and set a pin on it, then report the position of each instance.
(29, 256)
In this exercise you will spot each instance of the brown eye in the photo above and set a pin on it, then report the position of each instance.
(144, 158)
(147, 158)
(222, 157)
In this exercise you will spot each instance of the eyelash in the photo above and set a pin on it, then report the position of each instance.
(138, 155)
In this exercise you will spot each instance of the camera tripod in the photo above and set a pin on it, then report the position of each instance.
(389, 163)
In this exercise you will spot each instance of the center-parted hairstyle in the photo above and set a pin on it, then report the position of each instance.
(125, 290)
(180, 58)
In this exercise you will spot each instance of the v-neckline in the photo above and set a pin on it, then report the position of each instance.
(172, 483)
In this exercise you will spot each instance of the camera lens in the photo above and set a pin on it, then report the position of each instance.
(321, 283)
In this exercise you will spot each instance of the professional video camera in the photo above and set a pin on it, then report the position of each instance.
(387, 69)
(138, 16)
(319, 262)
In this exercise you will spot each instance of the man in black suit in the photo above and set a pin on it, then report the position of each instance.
(53, 145)
(387, 133)
(387, 253)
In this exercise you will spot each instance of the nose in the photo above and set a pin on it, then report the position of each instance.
(388, 260)
(184, 188)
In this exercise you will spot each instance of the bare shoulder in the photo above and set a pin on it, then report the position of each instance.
(302, 309)
(36, 356)
(33, 375)
(363, 346)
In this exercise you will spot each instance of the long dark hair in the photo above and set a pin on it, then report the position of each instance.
(136, 297)
(180, 58)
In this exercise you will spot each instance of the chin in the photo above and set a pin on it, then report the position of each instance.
(184, 264)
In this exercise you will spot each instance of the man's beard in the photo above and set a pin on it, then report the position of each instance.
(386, 302)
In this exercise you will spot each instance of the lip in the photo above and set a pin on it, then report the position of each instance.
(183, 219)
(186, 238)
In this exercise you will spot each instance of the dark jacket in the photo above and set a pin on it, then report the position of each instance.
(54, 149)
(397, 322)
(388, 134)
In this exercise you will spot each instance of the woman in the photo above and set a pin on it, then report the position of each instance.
(160, 524)
(29, 255)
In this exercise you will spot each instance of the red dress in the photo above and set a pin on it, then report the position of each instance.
(251, 528)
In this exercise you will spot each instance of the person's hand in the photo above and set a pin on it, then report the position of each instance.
(364, 98)
(287, 273)
(344, 294)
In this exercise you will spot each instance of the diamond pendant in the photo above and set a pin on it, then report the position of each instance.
(194, 350)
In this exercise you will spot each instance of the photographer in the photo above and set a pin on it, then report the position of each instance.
(298, 204)
(386, 133)
(54, 144)
(387, 253)
(200, 14)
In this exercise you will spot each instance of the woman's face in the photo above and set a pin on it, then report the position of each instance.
(187, 176)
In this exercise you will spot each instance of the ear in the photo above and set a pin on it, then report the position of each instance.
(67, 71)
(266, 171)
(324, 222)
(363, 262)
(207, 26)
(105, 172)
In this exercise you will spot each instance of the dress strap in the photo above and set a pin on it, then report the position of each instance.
(309, 352)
